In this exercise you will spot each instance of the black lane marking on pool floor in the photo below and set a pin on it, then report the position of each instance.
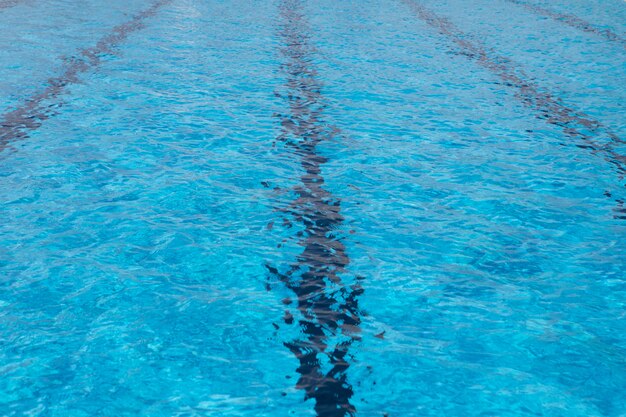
(16, 124)
(575, 125)
(327, 305)
(9, 3)
(571, 20)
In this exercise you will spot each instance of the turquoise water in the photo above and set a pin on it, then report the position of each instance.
(298, 208)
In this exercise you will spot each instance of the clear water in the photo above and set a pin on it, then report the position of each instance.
(445, 239)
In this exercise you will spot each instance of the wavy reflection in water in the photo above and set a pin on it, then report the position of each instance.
(327, 304)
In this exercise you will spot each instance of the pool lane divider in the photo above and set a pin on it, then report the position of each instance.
(575, 125)
(327, 305)
(16, 124)
(5, 4)
(572, 21)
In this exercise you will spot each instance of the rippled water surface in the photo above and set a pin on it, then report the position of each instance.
(312, 208)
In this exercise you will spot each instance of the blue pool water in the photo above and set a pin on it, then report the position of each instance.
(299, 208)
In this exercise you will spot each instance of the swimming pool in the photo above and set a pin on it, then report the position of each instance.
(298, 208)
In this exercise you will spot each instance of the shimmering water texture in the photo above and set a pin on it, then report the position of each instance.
(298, 208)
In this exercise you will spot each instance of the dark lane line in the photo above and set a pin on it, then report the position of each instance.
(327, 305)
(575, 125)
(571, 20)
(16, 124)
(5, 4)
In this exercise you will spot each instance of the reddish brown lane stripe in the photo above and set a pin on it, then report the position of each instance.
(575, 125)
(571, 20)
(16, 124)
